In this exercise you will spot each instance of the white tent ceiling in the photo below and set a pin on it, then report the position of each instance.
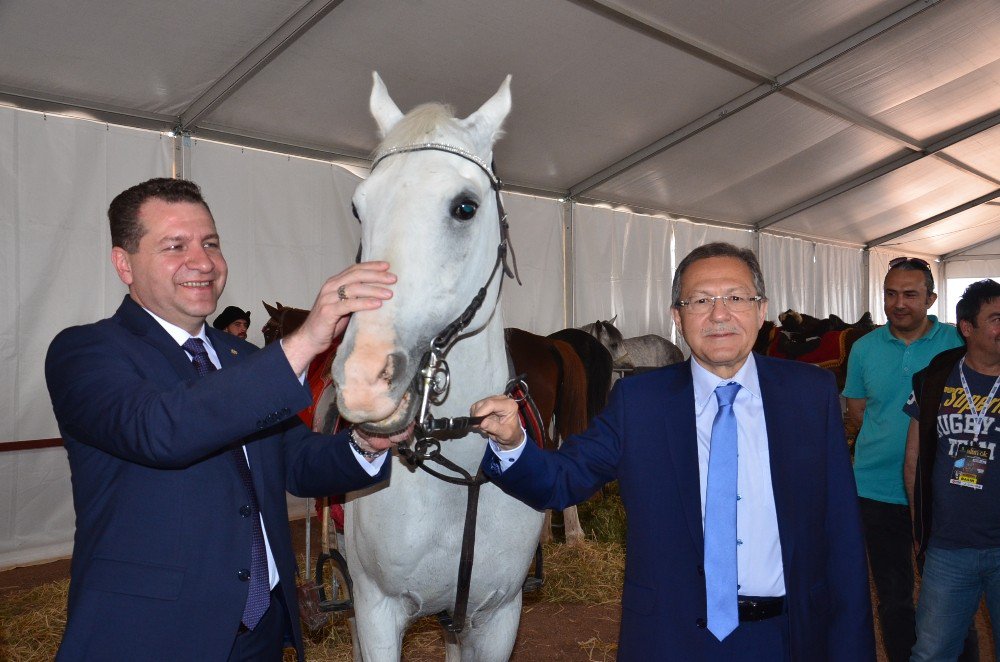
(871, 122)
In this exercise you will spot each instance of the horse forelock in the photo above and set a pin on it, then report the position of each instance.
(428, 122)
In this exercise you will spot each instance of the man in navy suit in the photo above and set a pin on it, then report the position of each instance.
(798, 582)
(182, 441)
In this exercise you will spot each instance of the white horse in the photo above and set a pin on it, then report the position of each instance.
(430, 210)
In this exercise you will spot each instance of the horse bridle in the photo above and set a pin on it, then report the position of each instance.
(433, 378)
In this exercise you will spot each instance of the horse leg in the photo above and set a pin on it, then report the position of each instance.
(491, 637)
(379, 623)
(546, 536)
(571, 525)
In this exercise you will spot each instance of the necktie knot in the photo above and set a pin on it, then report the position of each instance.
(199, 356)
(726, 394)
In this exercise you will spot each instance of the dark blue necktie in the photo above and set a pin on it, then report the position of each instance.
(720, 518)
(259, 595)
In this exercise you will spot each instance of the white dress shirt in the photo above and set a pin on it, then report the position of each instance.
(758, 549)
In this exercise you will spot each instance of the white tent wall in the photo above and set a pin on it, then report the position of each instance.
(57, 177)
(623, 268)
(812, 278)
(286, 225)
(536, 236)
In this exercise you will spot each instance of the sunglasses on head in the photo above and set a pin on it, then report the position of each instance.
(913, 261)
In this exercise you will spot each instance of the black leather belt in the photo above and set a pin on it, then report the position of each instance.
(759, 609)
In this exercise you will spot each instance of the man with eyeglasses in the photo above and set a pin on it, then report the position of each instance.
(744, 539)
(879, 374)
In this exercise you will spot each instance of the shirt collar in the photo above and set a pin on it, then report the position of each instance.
(179, 335)
(705, 382)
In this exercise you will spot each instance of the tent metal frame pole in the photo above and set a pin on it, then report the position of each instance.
(992, 195)
(284, 36)
(569, 264)
(953, 254)
(896, 164)
(747, 99)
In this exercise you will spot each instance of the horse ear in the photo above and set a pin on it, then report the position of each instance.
(271, 310)
(613, 320)
(485, 123)
(383, 108)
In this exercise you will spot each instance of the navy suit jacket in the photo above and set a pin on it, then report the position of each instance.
(160, 536)
(646, 439)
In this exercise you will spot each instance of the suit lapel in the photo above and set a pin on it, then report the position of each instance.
(138, 321)
(682, 441)
(782, 430)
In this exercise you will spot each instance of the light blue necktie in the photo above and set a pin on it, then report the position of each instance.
(720, 518)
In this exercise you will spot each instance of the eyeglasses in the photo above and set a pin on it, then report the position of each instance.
(913, 261)
(734, 303)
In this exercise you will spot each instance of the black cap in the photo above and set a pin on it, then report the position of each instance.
(230, 315)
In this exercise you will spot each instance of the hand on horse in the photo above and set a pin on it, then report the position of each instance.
(359, 287)
(500, 422)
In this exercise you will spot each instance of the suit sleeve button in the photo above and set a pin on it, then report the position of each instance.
(243, 575)
(700, 622)
(246, 511)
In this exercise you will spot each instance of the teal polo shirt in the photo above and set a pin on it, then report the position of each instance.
(880, 370)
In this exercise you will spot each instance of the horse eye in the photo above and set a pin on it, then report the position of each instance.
(354, 210)
(464, 210)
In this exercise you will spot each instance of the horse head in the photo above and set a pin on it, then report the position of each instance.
(608, 334)
(283, 320)
(429, 210)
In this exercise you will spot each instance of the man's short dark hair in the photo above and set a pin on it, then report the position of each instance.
(126, 228)
(975, 295)
(718, 249)
(914, 264)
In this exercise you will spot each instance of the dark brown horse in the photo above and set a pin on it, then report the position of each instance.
(558, 384)
(597, 364)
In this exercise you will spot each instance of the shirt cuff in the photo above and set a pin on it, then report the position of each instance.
(371, 468)
(507, 458)
(302, 375)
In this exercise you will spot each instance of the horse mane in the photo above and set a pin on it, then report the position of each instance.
(422, 124)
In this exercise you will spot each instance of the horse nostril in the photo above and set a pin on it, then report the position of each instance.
(394, 365)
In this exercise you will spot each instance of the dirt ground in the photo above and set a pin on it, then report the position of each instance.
(558, 632)
(548, 631)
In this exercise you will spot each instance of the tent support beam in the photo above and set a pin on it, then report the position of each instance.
(992, 195)
(257, 59)
(58, 105)
(895, 164)
(953, 254)
(747, 99)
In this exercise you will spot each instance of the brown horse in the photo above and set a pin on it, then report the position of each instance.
(284, 320)
(558, 384)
